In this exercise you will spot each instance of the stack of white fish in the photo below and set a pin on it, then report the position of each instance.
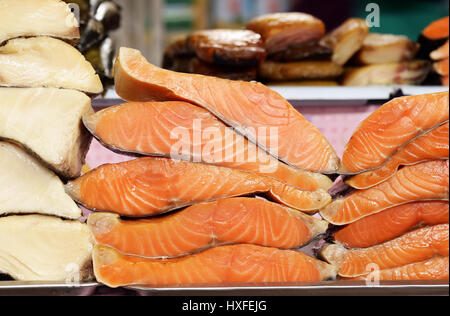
(43, 81)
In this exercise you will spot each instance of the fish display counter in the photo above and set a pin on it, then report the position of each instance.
(179, 183)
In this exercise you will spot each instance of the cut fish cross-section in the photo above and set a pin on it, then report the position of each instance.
(222, 265)
(46, 62)
(45, 248)
(423, 182)
(26, 18)
(149, 129)
(203, 226)
(28, 187)
(255, 111)
(47, 122)
(152, 186)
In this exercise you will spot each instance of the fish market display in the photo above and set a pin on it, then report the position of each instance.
(46, 62)
(414, 247)
(423, 182)
(283, 30)
(433, 145)
(346, 40)
(300, 70)
(251, 108)
(203, 226)
(387, 48)
(54, 115)
(221, 265)
(432, 269)
(45, 248)
(182, 130)
(152, 186)
(392, 126)
(28, 187)
(25, 18)
(392, 223)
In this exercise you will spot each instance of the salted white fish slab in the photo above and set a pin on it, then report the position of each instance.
(26, 186)
(25, 18)
(46, 62)
(48, 123)
(45, 248)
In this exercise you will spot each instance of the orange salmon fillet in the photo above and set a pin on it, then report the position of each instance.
(202, 226)
(433, 269)
(414, 247)
(185, 131)
(152, 186)
(255, 111)
(422, 182)
(222, 265)
(392, 223)
(438, 29)
(430, 146)
(392, 126)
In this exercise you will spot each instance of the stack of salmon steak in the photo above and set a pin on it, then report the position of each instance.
(395, 224)
(202, 204)
(44, 82)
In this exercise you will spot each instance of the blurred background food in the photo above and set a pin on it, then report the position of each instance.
(154, 25)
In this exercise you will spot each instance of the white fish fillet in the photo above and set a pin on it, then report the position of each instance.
(47, 122)
(46, 62)
(45, 248)
(25, 18)
(27, 187)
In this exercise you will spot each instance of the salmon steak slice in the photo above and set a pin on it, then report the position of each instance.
(433, 145)
(152, 186)
(423, 182)
(187, 132)
(392, 223)
(414, 247)
(255, 111)
(202, 226)
(221, 265)
(390, 127)
(438, 29)
(435, 269)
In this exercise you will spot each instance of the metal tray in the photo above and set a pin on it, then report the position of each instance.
(338, 288)
(16, 288)
(306, 96)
